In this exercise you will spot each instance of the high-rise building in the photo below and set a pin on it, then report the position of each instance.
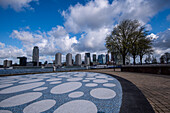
(87, 60)
(35, 56)
(69, 59)
(22, 61)
(107, 58)
(88, 55)
(94, 57)
(7, 63)
(58, 59)
(101, 59)
(78, 60)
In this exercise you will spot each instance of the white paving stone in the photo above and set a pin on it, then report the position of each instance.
(77, 106)
(19, 88)
(102, 93)
(74, 79)
(109, 85)
(66, 87)
(85, 80)
(20, 99)
(101, 76)
(91, 85)
(54, 79)
(100, 81)
(39, 106)
(29, 81)
(5, 85)
(40, 89)
(56, 82)
(76, 94)
(90, 78)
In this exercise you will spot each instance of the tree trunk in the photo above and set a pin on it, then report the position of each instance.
(141, 59)
(134, 60)
(123, 59)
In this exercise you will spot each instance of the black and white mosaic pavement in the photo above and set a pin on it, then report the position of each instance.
(66, 92)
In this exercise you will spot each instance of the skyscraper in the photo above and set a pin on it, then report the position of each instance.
(22, 61)
(94, 57)
(101, 59)
(87, 58)
(107, 58)
(35, 56)
(7, 63)
(69, 59)
(78, 59)
(58, 59)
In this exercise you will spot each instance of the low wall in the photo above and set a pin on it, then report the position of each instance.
(154, 69)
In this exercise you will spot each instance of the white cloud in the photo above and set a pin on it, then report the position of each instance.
(153, 36)
(92, 41)
(148, 27)
(99, 13)
(163, 40)
(161, 44)
(96, 18)
(17, 5)
(2, 45)
(49, 42)
(11, 52)
(93, 15)
(58, 32)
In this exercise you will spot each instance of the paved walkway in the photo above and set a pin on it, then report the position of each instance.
(156, 88)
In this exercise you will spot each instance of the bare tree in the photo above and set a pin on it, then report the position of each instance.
(121, 36)
(129, 37)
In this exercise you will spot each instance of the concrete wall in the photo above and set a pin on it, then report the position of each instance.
(154, 69)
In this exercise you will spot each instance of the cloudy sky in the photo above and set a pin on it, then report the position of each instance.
(75, 26)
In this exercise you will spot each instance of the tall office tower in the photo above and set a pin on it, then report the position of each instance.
(9, 63)
(87, 60)
(88, 55)
(69, 59)
(107, 58)
(5, 63)
(58, 59)
(101, 59)
(94, 57)
(35, 56)
(22, 61)
(78, 59)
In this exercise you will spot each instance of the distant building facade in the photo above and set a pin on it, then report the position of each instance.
(69, 59)
(35, 56)
(22, 61)
(87, 60)
(78, 60)
(88, 55)
(107, 58)
(7, 63)
(94, 58)
(101, 59)
(58, 59)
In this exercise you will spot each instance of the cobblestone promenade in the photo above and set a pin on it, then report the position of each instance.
(156, 88)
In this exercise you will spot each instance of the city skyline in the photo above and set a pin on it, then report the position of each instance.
(79, 26)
